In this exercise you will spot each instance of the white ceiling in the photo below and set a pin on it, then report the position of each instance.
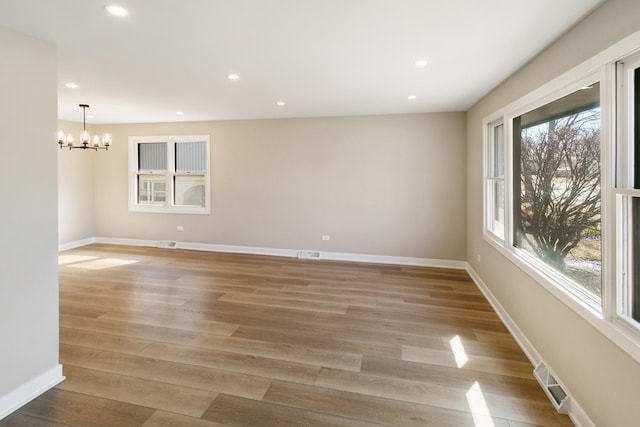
(322, 57)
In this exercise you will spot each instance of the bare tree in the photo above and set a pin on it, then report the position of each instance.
(560, 185)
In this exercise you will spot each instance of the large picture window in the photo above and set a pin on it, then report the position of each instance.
(556, 182)
(169, 174)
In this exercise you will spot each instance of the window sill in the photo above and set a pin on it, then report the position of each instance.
(170, 209)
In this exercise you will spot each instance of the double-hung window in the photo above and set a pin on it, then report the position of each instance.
(628, 192)
(169, 174)
(494, 181)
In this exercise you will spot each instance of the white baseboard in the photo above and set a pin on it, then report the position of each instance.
(252, 250)
(524, 343)
(576, 413)
(126, 242)
(75, 244)
(30, 390)
(385, 259)
(331, 256)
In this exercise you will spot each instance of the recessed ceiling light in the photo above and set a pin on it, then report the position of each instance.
(280, 103)
(116, 10)
(233, 77)
(421, 62)
(179, 113)
(72, 85)
(411, 97)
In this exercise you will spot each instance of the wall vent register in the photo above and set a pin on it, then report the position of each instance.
(554, 391)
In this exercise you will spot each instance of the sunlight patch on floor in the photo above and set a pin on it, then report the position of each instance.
(71, 259)
(102, 263)
(478, 407)
(458, 351)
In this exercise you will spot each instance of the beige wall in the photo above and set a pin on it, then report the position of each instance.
(379, 185)
(75, 189)
(29, 213)
(602, 377)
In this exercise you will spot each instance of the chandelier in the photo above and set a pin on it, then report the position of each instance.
(95, 143)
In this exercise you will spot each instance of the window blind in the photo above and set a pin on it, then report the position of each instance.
(191, 157)
(152, 156)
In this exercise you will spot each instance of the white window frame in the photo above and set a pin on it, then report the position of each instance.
(542, 272)
(493, 230)
(168, 206)
(624, 192)
(609, 317)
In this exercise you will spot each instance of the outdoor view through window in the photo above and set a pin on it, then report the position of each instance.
(557, 186)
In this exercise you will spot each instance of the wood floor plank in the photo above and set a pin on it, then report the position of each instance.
(217, 380)
(288, 352)
(235, 362)
(302, 295)
(330, 340)
(130, 330)
(157, 337)
(21, 420)
(247, 413)
(455, 299)
(82, 410)
(505, 385)
(168, 319)
(151, 292)
(488, 318)
(492, 365)
(107, 342)
(434, 394)
(143, 392)
(368, 408)
(114, 298)
(294, 304)
(168, 419)
(75, 356)
(78, 310)
(369, 325)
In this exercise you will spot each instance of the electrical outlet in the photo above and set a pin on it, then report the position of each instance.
(479, 258)
(180, 228)
(326, 237)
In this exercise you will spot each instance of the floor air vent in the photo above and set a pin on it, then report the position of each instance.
(308, 255)
(555, 392)
(167, 244)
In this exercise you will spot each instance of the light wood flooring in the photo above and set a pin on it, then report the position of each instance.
(161, 337)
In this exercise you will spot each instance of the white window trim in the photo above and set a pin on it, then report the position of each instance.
(488, 176)
(624, 192)
(601, 67)
(168, 206)
(551, 280)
